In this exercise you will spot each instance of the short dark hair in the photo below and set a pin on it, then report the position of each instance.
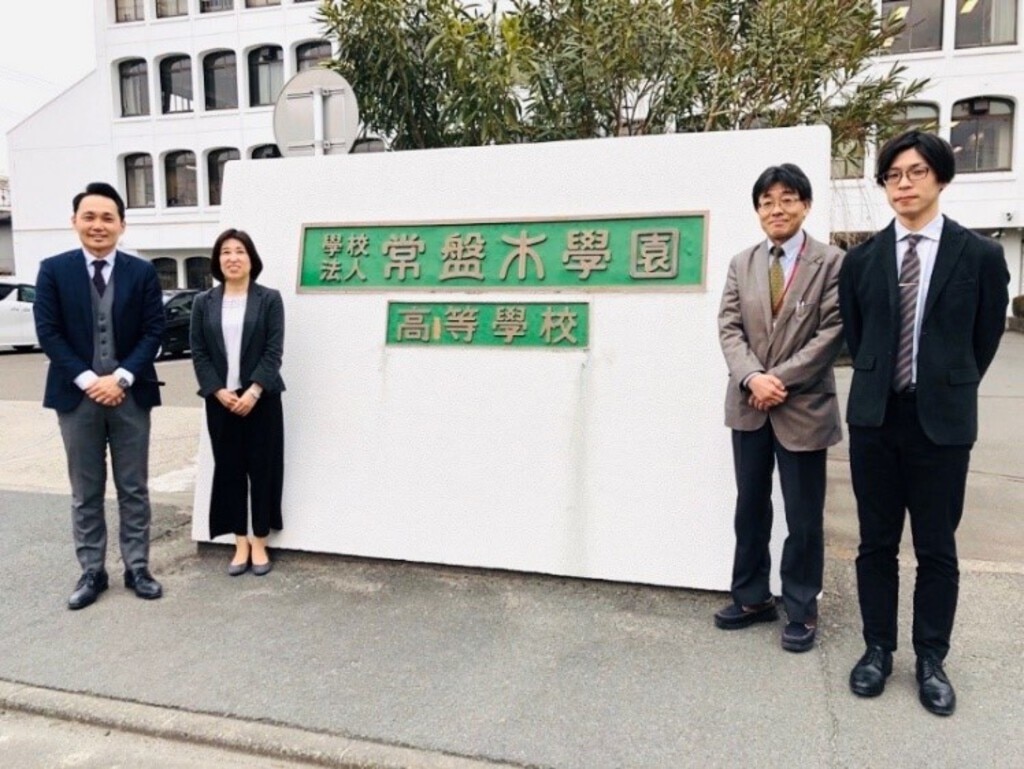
(935, 150)
(788, 175)
(102, 189)
(250, 248)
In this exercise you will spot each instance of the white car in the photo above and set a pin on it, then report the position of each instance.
(17, 327)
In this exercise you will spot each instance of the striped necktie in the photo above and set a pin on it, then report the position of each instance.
(910, 278)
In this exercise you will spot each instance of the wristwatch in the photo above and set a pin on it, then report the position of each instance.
(123, 383)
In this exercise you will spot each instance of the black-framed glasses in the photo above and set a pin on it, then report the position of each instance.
(894, 176)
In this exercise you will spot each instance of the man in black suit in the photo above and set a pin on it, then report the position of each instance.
(99, 317)
(924, 306)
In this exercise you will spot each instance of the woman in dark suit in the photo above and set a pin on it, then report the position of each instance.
(237, 338)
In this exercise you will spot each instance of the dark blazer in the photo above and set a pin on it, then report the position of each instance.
(262, 340)
(64, 325)
(964, 316)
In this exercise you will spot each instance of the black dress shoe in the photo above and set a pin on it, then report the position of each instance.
(867, 679)
(734, 616)
(142, 582)
(88, 589)
(936, 692)
(798, 636)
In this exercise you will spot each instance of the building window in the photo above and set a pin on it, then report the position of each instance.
(309, 55)
(848, 162)
(197, 272)
(212, 6)
(180, 173)
(922, 30)
(220, 80)
(982, 135)
(986, 22)
(266, 75)
(138, 178)
(176, 84)
(215, 163)
(261, 3)
(918, 115)
(129, 10)
(265, 151)
(166, 272)
(167, 8)
(134, 87)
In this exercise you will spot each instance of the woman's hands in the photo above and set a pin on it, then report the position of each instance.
(240, 405)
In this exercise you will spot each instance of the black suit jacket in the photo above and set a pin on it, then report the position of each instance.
(64, 325)
(964, 316)
(262, 340)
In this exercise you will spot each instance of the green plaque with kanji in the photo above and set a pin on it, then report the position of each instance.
(629, 252)
(554, 325)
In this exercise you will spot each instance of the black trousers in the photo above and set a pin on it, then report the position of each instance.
(248, 456)
(802, 474)
(896, 469)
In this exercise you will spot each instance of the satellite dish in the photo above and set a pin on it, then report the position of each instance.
(316, 114)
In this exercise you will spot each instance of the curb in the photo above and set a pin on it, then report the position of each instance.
(259, 738)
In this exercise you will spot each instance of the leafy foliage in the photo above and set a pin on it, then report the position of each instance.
(434, 73)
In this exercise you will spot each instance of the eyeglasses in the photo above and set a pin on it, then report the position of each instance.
(786, 203)
(894, 176)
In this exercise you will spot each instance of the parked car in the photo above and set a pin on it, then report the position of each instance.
(17, 326)
(177, 316)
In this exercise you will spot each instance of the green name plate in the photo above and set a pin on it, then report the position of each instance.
(499, 324)
(640, 252)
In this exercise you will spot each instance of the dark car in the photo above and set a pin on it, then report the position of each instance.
(177, 315)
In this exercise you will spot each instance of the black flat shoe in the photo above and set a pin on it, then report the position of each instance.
(867, 679)
(237, 569)
(798, 637)
(88, 589)
(142, 582)
(734, 616)
(936, 692)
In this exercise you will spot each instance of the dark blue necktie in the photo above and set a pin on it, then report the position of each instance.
(97, 277)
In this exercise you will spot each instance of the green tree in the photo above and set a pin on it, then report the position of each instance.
(433, 73)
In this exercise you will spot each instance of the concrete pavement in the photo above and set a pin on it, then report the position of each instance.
(353, 662)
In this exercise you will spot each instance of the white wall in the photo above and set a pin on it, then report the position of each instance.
(610, 463)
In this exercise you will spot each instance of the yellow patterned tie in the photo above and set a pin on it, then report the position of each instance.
(776, 278)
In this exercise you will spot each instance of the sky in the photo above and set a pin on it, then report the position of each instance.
(44, 48)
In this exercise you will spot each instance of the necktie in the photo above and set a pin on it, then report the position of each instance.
(97, 277)
(776, 278)
(910, 277)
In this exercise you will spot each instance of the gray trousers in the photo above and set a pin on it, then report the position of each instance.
(87, 431)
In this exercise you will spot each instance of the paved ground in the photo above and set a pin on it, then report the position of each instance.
(354, 662)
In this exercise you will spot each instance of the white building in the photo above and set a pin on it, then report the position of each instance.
(183, 86)
(971, 52)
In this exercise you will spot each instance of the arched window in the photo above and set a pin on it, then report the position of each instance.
(922, 30)
(166, 272)
(138, 180)
(215, 163)
(982, 135)
(266, 75)
(920, 115)
(180, 176)
(197, 272)
(309, 55)
(220, 80)
(986, 22)
(265, 151)
(176, 84)
(134, 76)
(168, 8)
(261, 3)
(129, 10)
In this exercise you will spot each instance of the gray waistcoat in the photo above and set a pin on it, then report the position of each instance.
(104, 360)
